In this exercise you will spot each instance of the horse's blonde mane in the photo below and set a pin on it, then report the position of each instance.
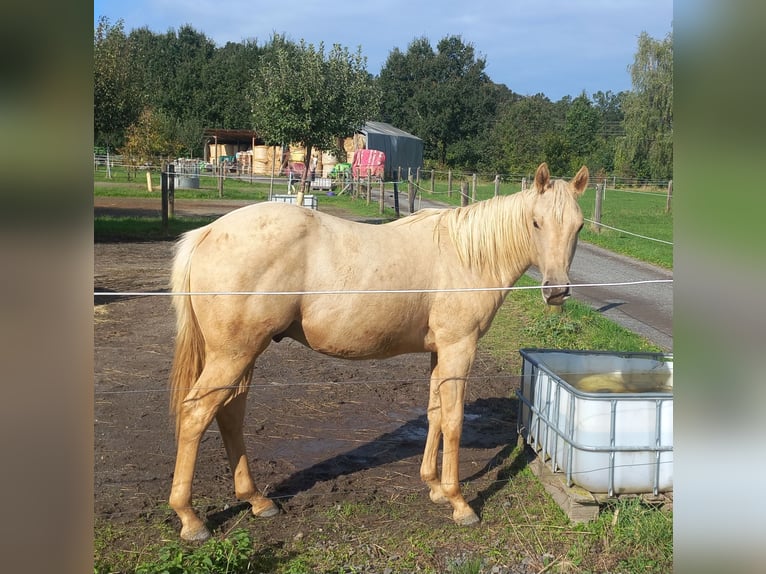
(493, 234)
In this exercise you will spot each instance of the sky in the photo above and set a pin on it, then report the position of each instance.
(555, 47)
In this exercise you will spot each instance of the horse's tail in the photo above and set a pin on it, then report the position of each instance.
(189, 356)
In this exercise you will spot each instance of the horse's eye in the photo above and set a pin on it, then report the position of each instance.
(534, 222)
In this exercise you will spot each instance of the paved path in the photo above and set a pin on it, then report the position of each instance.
(646, 309)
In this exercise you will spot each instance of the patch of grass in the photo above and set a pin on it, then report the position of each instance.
(143, 228)
(637, 213)
(358, 206)
(525, 320)
(230, 554)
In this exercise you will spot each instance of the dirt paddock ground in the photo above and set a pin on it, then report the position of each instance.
(321, 432)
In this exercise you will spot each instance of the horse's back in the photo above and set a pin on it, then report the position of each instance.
(304, 275)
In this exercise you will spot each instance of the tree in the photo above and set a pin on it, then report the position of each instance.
(609, 108)
(646, 150)
(116, 91)
(225, 81)
(151, 137)
(442, 96)
(189, 133)
(517, 138)
(301, 94)
(581, 131)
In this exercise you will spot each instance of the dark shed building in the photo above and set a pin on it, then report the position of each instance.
(401, 148)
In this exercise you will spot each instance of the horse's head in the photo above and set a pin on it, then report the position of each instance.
(554, 221)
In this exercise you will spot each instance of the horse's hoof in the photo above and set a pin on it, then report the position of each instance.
(199, 535)
(466, 519)
(267, 511)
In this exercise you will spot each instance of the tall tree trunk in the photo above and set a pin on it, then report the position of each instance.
(305, 177)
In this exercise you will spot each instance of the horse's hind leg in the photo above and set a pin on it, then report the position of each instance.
(230, 419)
(217, 383)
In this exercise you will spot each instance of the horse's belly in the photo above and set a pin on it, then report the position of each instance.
(369, 342)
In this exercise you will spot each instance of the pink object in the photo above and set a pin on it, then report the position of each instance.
(368, 159)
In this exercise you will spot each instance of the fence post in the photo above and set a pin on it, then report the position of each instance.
(171, 190)
(396, 198)
(164, 196)
(463, 193)
(432, 181)
(473, 187)
(382, 196)
(369, 185)
(670, 196)
(449, 183)
(411, 190)
(220, 182)
(597, 212)
(497, 184)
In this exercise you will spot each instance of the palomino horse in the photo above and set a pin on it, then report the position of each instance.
(270, 270)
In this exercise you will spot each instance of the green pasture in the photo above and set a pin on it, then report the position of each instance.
(632, 212)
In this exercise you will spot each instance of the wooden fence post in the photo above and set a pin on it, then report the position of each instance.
(497, 184)
(171, 190)
(220, 183)
(382, 196)
(449, 183)
(411, 191)
(597, 212)
(473, 187)
(369, 185)
(164, 196)
(396, 198)
(670, 196)
(463, 193)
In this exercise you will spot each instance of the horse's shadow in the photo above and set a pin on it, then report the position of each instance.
(497, 415)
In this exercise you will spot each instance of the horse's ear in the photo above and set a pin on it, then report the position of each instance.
(542, 177)
(580, 181)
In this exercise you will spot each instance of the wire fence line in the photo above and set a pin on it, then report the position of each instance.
(628, 232)
(273, 384)
(421, 191)
(213, 169)
(369, 291)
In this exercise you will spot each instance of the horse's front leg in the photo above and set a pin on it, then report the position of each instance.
(448, 381)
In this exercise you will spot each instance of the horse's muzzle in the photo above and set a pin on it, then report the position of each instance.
(555, 295)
